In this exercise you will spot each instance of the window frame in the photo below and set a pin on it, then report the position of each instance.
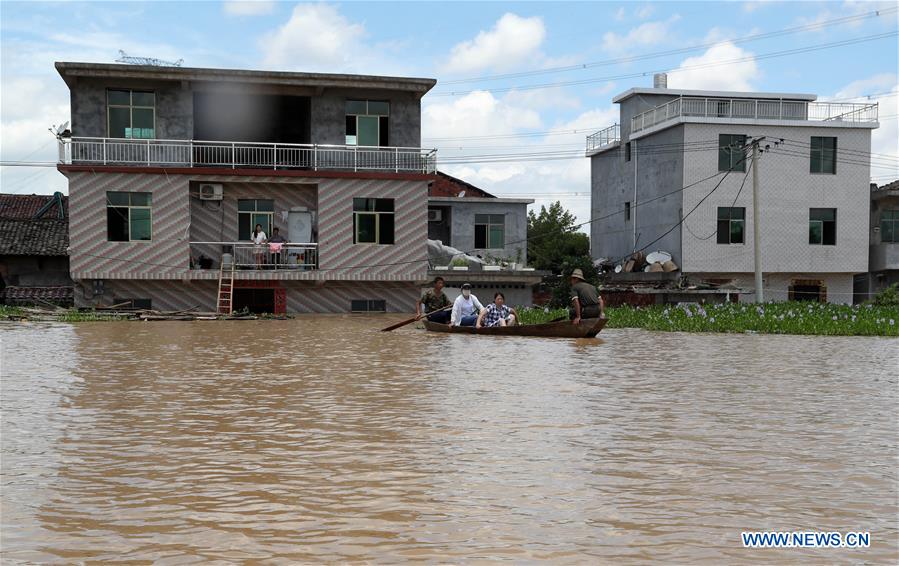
(130, 106)
(730, 225)
(821, 150)
(377, 215)
(893, 220)
(724, 148)
(821, 223)
(253, 214)
(148, 207)
(383, 122)
(488, 225)
(627, 211)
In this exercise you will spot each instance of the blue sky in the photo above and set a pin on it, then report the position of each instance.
(456, 41)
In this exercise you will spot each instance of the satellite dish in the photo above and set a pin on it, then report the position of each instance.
(462, 194)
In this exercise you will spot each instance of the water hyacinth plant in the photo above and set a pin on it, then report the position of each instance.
(770, 318)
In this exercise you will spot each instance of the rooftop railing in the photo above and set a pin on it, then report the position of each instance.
(194, 153)
(603, 138)
(741, 108)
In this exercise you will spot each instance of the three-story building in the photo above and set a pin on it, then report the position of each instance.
(171, 169)
(674, 175)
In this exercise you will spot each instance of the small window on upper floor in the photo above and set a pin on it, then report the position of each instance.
(373, 221)
(627, 151)
(889, 226)
(731, 224)
(627, 211)
(367, 122)
(131, 114)
(822, 226)
(489, 231)
(731, 152)
(128, 216)
(823, 158)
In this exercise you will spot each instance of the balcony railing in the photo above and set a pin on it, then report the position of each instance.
(245, 255)
(193, 153)
(603, 138)
(742, 108)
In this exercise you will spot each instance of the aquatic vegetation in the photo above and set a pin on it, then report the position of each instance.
(769, 318)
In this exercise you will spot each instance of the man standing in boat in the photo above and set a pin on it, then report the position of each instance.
(434, 300)
(466, 308)
(586, 302)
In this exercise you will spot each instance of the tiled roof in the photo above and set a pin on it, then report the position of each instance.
(449, 186)
(29, 294)
(34, 237)
(27, 206)
(888, 187)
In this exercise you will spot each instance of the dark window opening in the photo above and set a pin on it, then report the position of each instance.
(823, 157)
(731, 224)
(367, 122)
(256, 301)
(731, 152)
(822, 226)
(489, 231)
(807, 290)
(373, 221)
(128, 216)
(251, 212)
(627, 211)
(627, 151)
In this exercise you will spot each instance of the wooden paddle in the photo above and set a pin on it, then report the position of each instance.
(413, 319)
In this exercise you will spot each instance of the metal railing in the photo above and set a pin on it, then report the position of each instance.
(604, 137)
(742, 108)
(246, 255)
(194, 153)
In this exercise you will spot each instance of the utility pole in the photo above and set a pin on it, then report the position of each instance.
(756, 233)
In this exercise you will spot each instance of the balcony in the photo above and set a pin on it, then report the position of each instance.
(749, 109)
(234, 155)
(603, 138)
(289, 257)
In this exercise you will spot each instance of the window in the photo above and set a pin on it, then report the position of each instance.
(128, 217)
(489, 231)
(627, 211)
(731, 153)
(363, 305)
(731, 222)
(627, 151)
(131, 114)
(823, 156)
(366, 122)
(889, 226)
(373, 221)
(251, 212)
(822, 226)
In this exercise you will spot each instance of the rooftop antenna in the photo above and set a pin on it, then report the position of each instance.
(123, 58)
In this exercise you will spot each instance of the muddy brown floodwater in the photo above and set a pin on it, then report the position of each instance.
(321, 439)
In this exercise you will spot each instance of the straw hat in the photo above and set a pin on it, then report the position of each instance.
(577, 273)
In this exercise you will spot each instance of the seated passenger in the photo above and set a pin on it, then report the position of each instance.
(497, 313)
(585, 299)
(434, 300)
(466, 308)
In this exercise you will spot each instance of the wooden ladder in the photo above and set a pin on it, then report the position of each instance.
(226, 289)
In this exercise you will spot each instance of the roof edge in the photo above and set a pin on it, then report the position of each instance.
(713, 94)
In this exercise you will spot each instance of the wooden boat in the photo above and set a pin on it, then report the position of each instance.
(588, 328)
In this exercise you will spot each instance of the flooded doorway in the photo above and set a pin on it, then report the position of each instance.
(254, 300)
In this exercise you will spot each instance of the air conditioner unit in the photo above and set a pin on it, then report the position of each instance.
(210, 191)
(435, 215)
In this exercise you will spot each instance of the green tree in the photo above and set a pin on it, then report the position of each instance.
(553, 239)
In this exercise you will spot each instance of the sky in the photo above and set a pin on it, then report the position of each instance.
(520, 84)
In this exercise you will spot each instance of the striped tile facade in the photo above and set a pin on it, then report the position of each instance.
(178, 218)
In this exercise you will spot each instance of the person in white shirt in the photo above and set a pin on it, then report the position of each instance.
(465, 308)
(259, 238)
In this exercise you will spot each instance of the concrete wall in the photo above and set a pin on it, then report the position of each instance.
(787, 191)
(463, 214)
(174, 109)
(839, 286)
(659, 170)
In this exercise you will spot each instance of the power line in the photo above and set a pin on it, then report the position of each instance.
(657, 54)
(772, 55)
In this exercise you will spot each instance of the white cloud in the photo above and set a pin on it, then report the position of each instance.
(316, 37)
(646, 34)
(512, 41)
(693, 72)
(644, 12)
(476, 114)
(620, 14)
(249, 7)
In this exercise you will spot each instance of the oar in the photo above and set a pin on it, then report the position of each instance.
(413, 319)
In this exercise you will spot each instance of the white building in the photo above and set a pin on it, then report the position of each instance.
(673, 147)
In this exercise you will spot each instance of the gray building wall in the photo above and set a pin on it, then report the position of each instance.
(462, 216)
(658, 160)
(174, 109)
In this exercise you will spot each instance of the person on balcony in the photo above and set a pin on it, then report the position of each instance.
(259, 238)
(275, 243)
(465, 308)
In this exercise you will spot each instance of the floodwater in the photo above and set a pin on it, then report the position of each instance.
(320, 439)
